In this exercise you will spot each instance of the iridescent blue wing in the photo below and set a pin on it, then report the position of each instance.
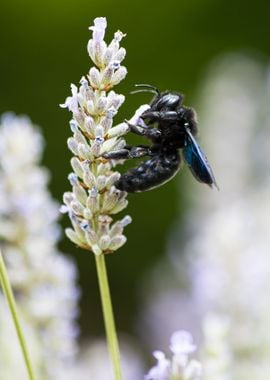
(197, 161)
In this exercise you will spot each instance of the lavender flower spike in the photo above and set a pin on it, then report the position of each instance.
(94, 198)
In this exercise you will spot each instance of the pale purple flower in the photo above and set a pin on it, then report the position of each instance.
(100, 25)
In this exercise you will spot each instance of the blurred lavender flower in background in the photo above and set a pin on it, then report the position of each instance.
(42, 278)
(179, 367)
(225, 268)
(94, 198)
(93, 361)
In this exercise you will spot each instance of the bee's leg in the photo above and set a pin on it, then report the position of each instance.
(152, 133)
(160, 116)
(128, 152)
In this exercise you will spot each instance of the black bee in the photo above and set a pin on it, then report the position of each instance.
(170, 126)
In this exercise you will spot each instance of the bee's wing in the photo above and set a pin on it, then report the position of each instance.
(197, 161)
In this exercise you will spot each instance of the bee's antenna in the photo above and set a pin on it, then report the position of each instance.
(148, 88)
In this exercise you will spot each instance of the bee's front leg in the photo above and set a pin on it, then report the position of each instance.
(151, 133)
(128, 152)
(160, 115)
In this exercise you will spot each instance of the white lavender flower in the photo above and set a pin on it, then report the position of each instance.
(180, 366)
(94, 198)
(228, 244)
(42, 278)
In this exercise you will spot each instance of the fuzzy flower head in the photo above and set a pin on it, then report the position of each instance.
(179, 367)
(22, 151)
(94, 199)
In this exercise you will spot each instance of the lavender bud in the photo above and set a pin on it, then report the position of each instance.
(84, 151)
(126, 220)
(80, 193)
(119, 75)
(120, 206)
(112, 179)
(94, 77)
(120, 55)
(68, 197)
(96, 147)
(108, 56)
(72, 235)
(77, 208)
(72, 145)
(91, 236)
(104, 242)
(99, 133)
(87, 214)
(101, 105)
(77, 166)
(101, 182)
(88, 177)
(91, 107)
(89, 126)
(63, 209)
(117, 242)
(119, 130)
(73, 179)
(93, 200)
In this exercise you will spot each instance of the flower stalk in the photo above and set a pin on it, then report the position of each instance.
(14, 313)
(108, 315)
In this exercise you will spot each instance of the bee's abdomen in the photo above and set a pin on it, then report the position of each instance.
(151, 173)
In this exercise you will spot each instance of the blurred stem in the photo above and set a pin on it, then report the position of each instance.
(13, 310)
(108, 315)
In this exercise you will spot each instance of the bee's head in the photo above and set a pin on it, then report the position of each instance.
(167, 101)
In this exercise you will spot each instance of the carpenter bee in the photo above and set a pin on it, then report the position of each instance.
(171, 128)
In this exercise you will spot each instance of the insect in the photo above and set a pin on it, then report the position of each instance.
(171, 129)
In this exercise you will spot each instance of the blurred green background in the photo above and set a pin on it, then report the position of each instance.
(169, 44)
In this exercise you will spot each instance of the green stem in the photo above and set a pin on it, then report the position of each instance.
(108, 315)
(12, 306)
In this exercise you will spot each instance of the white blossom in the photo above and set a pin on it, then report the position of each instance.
(94, 198)
(42, 278)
